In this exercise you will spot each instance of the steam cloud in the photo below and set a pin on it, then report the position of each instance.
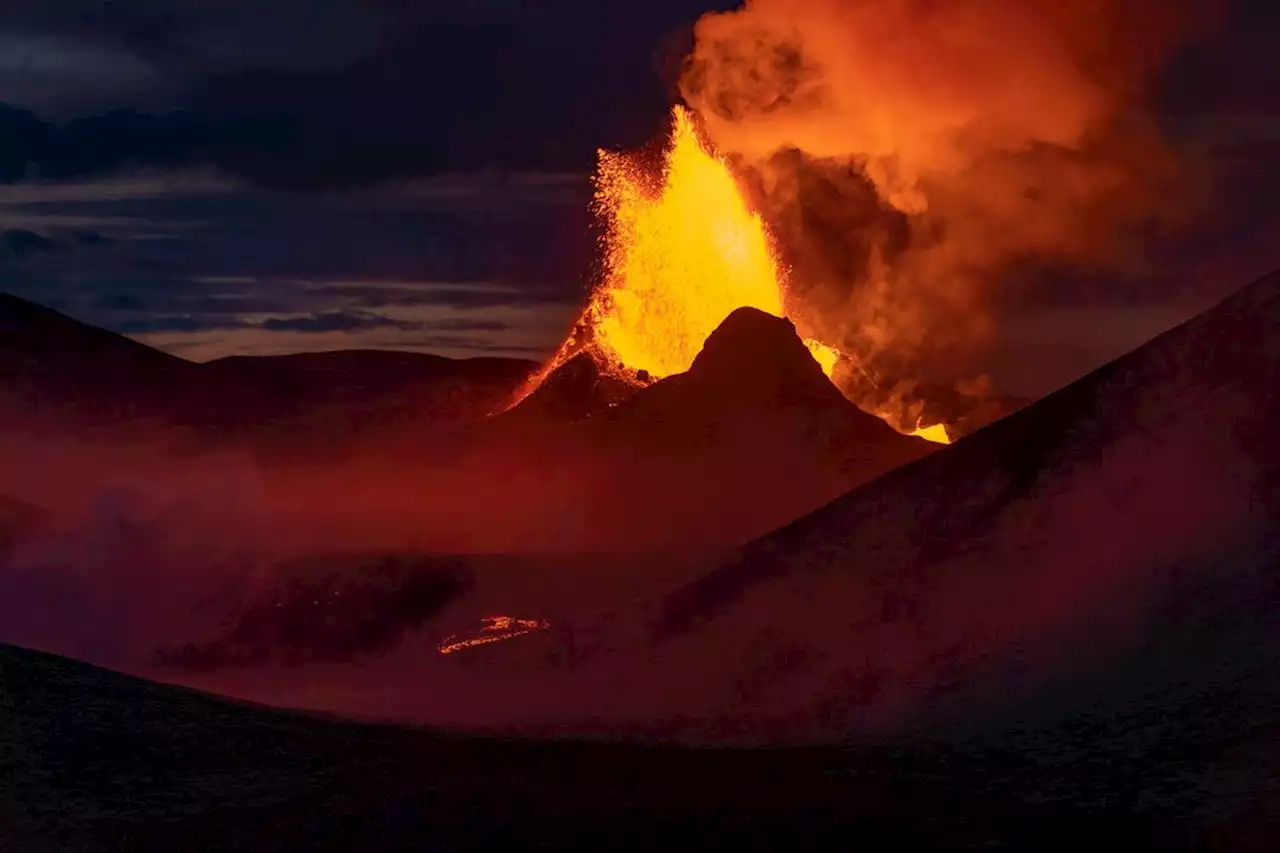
(907, 152)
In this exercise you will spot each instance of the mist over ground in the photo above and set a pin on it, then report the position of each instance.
(954, 583)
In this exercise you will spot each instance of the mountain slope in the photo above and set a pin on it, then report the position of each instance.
(64, 373)
(575, 390)
(374, 380)
(1124, 524)
(50, 362)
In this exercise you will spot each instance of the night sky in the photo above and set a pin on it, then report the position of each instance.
(227, 176)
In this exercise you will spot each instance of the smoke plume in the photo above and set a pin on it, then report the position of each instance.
(908, 152)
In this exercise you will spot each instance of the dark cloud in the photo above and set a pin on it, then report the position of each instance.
(178, 41)
(244, 275)
(243, 251)
(17, 244)
(1231, 70)
(224, 305)
(447, 342)
(62, 71)
(20, 243)
(152, 325)
(361, 321)
(325, 93)
(364, 92)
(119, 302)
(445, 333)
(194, 304)
(467, 325)
(478, 295)
(336, 321)
(119, 140)
(82, 237)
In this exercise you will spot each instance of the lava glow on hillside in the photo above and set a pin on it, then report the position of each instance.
(678, 259)
(494, 629)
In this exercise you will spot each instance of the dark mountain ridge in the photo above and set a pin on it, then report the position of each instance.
(61, 373)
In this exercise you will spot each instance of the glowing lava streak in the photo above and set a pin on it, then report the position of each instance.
(937, 434)
(494, 629)
(678, 260)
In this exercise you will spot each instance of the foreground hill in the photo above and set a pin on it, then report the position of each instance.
(95, 761)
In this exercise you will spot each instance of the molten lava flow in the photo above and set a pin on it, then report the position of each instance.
(494, 629)
(936, 433)
(825, 356)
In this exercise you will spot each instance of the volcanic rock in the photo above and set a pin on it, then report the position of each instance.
(755, 366)
(754, 434)
(576, 390)
(751, 359)
(754, 356)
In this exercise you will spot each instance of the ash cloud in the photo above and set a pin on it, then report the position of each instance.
(909, 153)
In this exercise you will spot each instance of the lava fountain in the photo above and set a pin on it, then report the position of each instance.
(678, 260)
(681, 261)
(680, 256)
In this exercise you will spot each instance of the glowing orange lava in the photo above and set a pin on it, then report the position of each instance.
(677, 262)
(493, 629)
(679, 259)
(681, 255)
(937, 434)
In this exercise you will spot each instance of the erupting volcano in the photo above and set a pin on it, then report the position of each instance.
(680, 261)
(679, 258)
